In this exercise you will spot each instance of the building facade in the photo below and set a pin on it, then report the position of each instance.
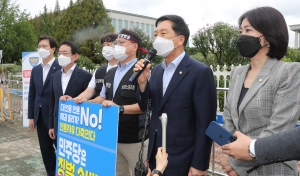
(122, 20)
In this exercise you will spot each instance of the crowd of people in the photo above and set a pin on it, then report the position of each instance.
(263, 99)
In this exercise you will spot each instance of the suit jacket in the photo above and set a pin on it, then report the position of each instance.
(279, 147)
(270, 106)
(77, 84)
(190, 104)
(39, 93)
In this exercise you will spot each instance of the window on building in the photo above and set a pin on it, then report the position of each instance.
(137, 25)
(143, 27)
(147, 29)
(114, 24)
(126, 24)
(152, 32)
(120, 25)
(131, 24)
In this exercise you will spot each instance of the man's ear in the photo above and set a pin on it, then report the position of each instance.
(181, 40)
(75, 57)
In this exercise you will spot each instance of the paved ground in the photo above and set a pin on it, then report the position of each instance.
(19, 150)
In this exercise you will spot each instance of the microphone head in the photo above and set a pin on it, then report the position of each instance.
(152, 52)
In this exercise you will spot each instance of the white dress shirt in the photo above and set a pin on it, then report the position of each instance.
(46, 69)
(92, 83)
(65, 78)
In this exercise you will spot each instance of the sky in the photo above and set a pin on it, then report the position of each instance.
(197, 13)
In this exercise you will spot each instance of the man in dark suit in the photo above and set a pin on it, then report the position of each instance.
(38, 99)
(71, 81)
(184, 89)
(279, 147)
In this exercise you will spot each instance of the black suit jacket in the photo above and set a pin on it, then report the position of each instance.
(190, 103)
(78, 83)
(39, 93)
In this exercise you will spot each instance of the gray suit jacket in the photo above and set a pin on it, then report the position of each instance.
(271, 105)
(279, 147)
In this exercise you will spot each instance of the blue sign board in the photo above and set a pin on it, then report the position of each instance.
(87, 139)
(219, 118)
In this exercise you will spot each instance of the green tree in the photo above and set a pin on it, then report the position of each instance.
(292, 55)
(84, 61)
(46, 23)
(217, 44)
(191, 50)
(16, 32)
(83, 22)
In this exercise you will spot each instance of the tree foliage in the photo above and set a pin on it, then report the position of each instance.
(84, 61)
(16, 33)
(83, 22)
(217, 44)
(292, 55)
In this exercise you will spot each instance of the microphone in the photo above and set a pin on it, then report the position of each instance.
(164, 120)
(150, 55)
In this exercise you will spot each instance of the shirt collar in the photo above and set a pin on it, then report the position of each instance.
(175, 62)
(49, 63)
(128, 64)
(109, 66)
(71, 69)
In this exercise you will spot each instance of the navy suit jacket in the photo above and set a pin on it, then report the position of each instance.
(78, 82)
(190, 104)
(39, 93)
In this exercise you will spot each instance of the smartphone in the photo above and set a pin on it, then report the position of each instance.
(219, 134)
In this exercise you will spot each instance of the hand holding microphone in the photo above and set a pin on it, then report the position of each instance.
(142, 68)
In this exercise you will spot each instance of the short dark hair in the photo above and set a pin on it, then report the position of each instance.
(133, 34)
(52, 41)
(74, 47)
(179, 25)
(271, 23)
(108, 38)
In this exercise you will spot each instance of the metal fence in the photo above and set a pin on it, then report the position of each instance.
(11, 102)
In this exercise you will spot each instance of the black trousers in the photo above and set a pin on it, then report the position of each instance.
(46, 146)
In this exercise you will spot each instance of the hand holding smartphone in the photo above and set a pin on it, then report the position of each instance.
(219, 134)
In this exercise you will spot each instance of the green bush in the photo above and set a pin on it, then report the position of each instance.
(84, 61)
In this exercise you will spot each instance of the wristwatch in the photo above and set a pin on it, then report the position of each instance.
(251, 154)
(156, 172)
(121, 109)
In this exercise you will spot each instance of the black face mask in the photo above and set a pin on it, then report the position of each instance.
(248, 45)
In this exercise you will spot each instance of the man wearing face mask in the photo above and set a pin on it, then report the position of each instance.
(71, 80)
(120, 92)
(96, 82)
(184, 89)
(38, 99)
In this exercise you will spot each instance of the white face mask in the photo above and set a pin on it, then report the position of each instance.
(108, 52)
(119, 53)
(64, 60)
(44, 54)
(163, 46)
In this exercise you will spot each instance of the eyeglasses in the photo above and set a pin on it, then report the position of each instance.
(64, 53)
(119, 42)
(42, 46)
